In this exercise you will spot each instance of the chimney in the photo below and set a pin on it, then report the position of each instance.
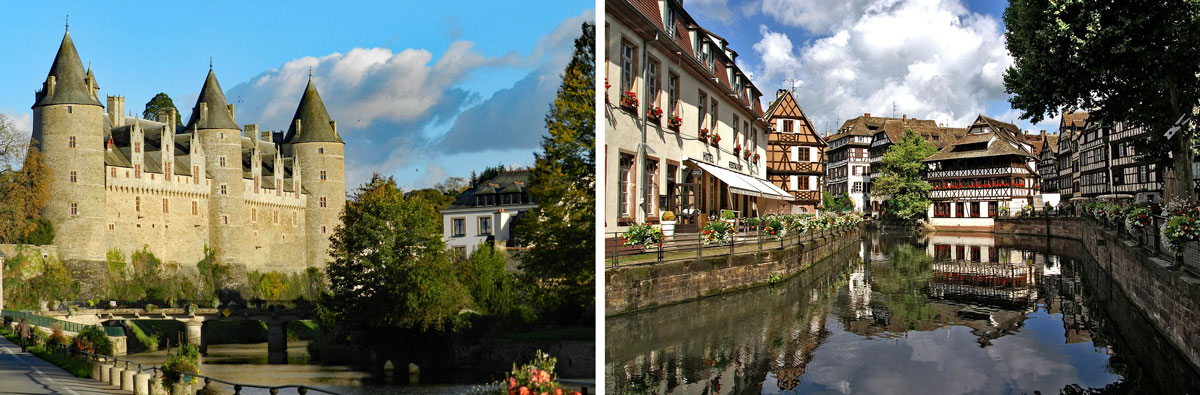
(868, 115)
(50, 82)
(905, 119)
(266, 136)
(251, 130)
(333, 125)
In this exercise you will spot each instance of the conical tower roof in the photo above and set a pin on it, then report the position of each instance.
(314, 120)
(218, 109)
(70, 82)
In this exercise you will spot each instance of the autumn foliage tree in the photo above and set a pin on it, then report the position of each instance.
(26, 192)
(560, 231)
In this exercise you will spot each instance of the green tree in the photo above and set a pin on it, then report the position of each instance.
(836, 203)
(492, 286)
(1135, 61)
(161, 102)
(437, 198)
(902, 178)
(389, 267)
(901, 281)
(561, 229)
(26, 192)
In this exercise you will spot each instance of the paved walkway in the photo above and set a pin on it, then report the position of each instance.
(25, 373)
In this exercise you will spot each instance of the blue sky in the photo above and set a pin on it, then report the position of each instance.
(420, 90)
(933, 59)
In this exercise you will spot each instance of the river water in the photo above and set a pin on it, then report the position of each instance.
(247, 364)
(936, 314)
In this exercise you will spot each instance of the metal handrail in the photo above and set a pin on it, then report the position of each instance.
(744, 235)
(46, 322)
(188, 377)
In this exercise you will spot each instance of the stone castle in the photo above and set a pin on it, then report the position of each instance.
(265, 200)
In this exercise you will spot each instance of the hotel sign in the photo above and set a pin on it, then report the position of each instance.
(735, 165)
(708, 157)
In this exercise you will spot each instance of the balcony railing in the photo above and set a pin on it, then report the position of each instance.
(986, 171)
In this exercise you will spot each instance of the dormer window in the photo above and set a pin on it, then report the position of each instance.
(670, 22)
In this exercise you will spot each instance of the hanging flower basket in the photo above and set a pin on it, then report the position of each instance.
(654, 114)
(629, 101)
(675, 122)
(702, 135)
(737, 149)
(755, 157)
(716, 138)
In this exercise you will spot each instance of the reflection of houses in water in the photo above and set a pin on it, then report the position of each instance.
(1062, 292)
(860, 293)
(797, 352)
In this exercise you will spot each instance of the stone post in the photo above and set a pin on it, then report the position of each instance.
(141, 382)
(96, 365)
(114, 375)
(127, 379)
(195, 331)
(104, 371)
(182, 389)
(277, 341)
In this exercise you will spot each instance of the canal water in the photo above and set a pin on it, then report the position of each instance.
(247, 364)
(898, 313)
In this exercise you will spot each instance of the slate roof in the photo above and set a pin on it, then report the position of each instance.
(502, 182)
(218, 109)
(314, 120)
(895, 128)
(1001, 139)
(70, 81)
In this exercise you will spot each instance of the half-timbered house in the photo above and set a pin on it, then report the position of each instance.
(991, 169)
(795, 152)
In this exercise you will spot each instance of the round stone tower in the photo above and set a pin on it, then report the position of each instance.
(312, 139)
(68, 128)
(213, 121)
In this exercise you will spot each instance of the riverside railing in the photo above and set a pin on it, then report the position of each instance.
(682, 247)
(47, 322)
(157, 373)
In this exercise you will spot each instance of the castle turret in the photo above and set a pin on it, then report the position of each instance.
(212, 121)
(68, 128)
(319, 154)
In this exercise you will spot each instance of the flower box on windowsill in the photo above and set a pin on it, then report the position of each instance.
(674, 123)
(629, 102)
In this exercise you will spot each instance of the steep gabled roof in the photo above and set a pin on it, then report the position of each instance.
(999, 139)
(314, 120)
(218, 109)
(785, 106)
(70, 81)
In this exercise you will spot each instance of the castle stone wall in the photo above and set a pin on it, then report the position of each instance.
(321, 221)
(78, 235)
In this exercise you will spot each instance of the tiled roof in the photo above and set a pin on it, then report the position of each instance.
(1001, 138)
(512, 181)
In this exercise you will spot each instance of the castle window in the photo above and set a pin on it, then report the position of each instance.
(322, 175)
(69, 110)
(275, 218)
(74, 209)
(137, 204)
(137, 171)
(195, 208)
(112, 226)
(113, 172)
(71, 141)
(322, 229)
(167, 171)
(225, 219)
(293, 218)
(221, 161)
(323, 202)
(137, 146)
(195, 174)
(321, 151)
(224, 189)
(74, 177)
(253, 215)
(166, 206)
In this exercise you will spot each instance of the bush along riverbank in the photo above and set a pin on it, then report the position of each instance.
(61, 350)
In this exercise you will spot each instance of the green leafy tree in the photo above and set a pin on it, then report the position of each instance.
(561, 229)
(1136, 62)
(901, 281)
(159, 103)
(836, 203)
(492, 287)
(389, 268)
(437, 198)
(902, 178)
(26, 192)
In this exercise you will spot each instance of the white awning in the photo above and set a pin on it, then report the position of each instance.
(743, 184)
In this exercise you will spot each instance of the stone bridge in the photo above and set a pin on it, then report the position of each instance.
(195, 318)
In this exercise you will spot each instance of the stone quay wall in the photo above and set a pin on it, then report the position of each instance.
(1168, 297)
(640, 287)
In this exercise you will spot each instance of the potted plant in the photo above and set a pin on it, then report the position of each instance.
(728, 216)
(716, 138)
(629, 101)
(668, 223)
(655, 114)
(702, 134)
(642, 235)
(737, 149)
(675, 122)
(717, 232)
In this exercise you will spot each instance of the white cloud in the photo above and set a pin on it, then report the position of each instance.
(932, 58)
(717, 10)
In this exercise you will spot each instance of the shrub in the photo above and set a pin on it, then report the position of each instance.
(535, 377)
(642, 235)
(668, 215)
(185, 359)
(57, 338)
(43, 233)
(93, 339)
